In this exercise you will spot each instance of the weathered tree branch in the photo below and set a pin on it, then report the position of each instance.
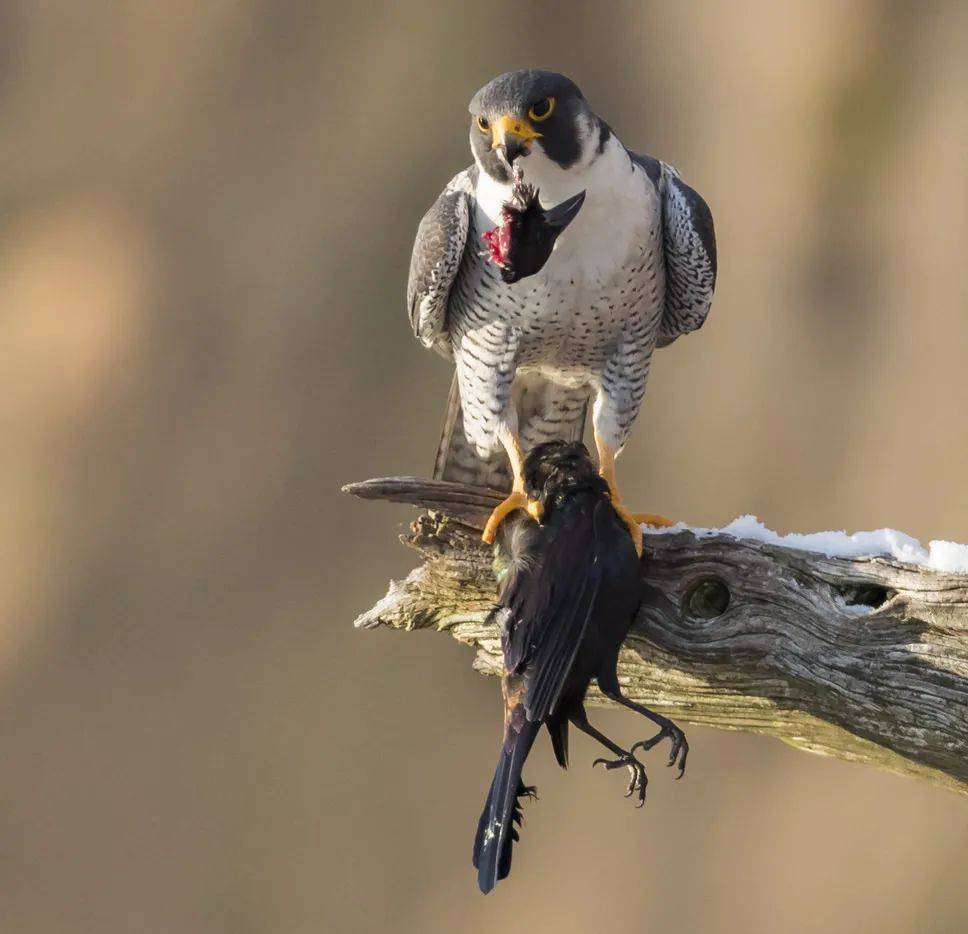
(863, 659)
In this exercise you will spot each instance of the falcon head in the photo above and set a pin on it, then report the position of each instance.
(537, 122)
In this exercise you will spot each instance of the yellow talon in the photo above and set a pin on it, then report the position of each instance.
(633, 521)
(516, 499)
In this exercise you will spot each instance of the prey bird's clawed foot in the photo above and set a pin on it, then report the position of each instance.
(637, 777)
(516, 499)
(679, 750)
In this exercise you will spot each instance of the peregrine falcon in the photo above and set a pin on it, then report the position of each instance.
(635, 269)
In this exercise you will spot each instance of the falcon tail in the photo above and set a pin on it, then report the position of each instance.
(545, 412)
(458, 460)
(497, 829)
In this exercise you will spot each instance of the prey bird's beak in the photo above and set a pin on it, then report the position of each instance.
(561, 215)
(513, 136)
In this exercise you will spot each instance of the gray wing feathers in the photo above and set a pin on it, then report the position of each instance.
(437, 254)
(689, 240)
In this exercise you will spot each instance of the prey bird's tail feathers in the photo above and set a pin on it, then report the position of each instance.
(558, 730)
(546, 412)
(497, 829)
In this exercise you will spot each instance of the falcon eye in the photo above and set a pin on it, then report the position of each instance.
(542, 109)
(483, 125)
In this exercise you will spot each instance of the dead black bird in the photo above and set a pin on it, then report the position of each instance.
(525, 236)
(569, 594)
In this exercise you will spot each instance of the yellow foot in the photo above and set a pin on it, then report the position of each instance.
(515, 500)
(632, 524)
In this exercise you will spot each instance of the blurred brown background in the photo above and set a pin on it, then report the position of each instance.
(206, 213)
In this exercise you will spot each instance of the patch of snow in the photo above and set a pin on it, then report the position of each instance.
(938, 556)
(948, 556)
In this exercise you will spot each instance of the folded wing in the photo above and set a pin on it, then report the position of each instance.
(437, 255)
(689, 240)
(549, 600)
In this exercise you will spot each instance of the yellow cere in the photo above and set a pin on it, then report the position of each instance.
(511, 126)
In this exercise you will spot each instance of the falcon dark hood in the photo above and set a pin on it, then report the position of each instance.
(521, 110)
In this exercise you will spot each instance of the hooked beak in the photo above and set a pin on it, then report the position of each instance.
(513, 137)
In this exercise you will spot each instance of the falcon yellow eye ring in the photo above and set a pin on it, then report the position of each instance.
(542, 109)
(483, 125)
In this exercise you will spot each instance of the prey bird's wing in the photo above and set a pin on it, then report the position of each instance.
(437, 255)
(689, 240)
(549, 598)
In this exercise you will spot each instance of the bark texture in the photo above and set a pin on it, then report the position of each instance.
(863, 659)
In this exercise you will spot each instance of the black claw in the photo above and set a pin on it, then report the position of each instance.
(680, 747)
(682, 762)
(637, 778)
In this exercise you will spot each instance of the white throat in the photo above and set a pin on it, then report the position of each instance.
(612, 219)
(596, 173)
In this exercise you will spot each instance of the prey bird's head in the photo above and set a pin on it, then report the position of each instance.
(534, 121)
(556, 469)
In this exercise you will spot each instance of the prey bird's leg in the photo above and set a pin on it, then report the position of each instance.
(638, 780)
(516, 499)
(667, 729)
